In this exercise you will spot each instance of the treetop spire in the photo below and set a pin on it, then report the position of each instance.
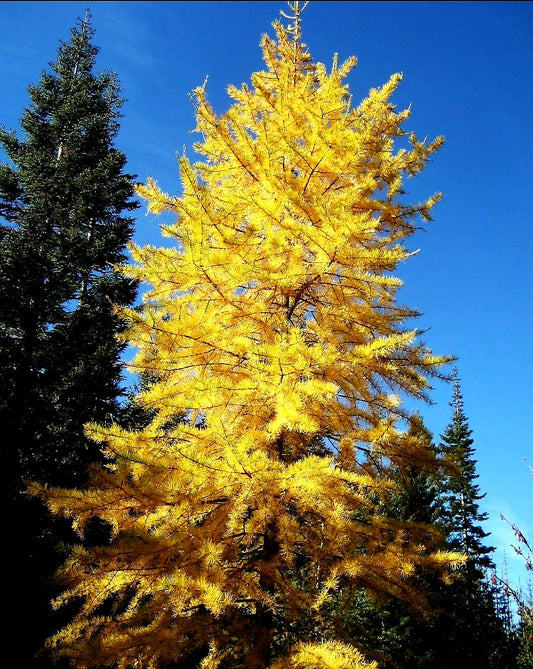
(86, 20)
(457, 400)
(297, 9)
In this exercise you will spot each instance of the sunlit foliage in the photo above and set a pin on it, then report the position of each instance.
(245, 512)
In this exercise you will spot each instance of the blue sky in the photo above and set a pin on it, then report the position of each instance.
(467, 76)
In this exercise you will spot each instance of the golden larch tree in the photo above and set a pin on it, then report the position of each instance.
(246, 513)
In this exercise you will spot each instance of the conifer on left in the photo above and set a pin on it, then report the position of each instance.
(66, 203)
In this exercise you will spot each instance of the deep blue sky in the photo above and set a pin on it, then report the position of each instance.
(467, 75)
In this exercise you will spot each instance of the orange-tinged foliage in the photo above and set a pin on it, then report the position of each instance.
(248, 506)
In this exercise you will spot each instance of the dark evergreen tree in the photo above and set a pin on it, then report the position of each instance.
(64, 225)
(470, 631)
(465, 628)
(460, 495)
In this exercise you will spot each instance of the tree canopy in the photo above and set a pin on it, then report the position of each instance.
(246, 513)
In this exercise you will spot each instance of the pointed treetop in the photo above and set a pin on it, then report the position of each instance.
(85, 23)
(457, 401)
(295, 28)
(77, 56)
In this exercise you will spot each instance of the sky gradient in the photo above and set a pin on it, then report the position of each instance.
(467, 76)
